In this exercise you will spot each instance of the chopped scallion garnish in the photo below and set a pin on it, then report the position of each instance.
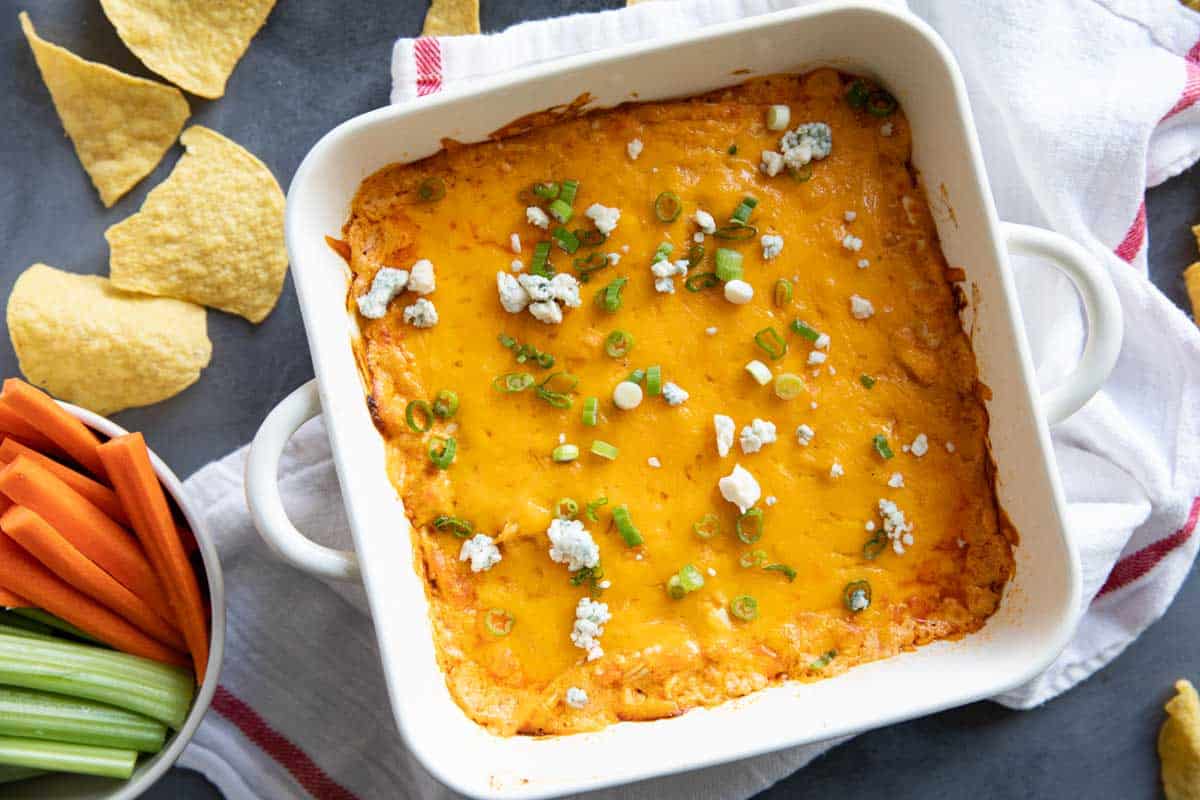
(729, 264)
(625, 526)
(788, 385)
(857, 94)
(750, 526)
(541, 260)
(442, 450)
(805, 330)
(513, 382)
(445, 404)
(591, 411)
(567, 194)
(422, 408)
(667, 207)
(684, 582)
(774, 345)
(566, 508)
(782, 293)
(881, 103)
(744, 607)
(802, 173)
(618, 344)
(823, 660)
(609, 298)
(593, 508)
(556, 389)
(736, 232)
(603, 449)
(565, 239)
(857, 596)
(732, 150)
(753, 558)
(460, 527)
(560, 209)
(875, 545)
(663, 252)
(741, 214)
(590, 237)
(498, 621)
(593, 262)
(695, 255)
(708, 526)
(637, 376)
(547, 190)
(431, 190)
(787, 571)
(699, 281)
(564, 453)
(654, 380)
(881, 446)
(590, 575)
(867, 381)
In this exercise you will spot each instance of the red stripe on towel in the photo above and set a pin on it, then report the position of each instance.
(279, 747)
(1128, 249)
(428, 55)
(1135, 565)
(1191, 90)
(1194, 53)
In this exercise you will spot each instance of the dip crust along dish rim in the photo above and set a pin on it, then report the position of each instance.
(1021, 639)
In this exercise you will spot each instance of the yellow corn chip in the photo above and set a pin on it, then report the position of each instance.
(195, 44)
(451, 18)
(120, 125)
(1191, 280)
(90, 344)
(211, 233)
(1179, 744)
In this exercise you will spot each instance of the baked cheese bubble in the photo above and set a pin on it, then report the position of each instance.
(120, 125)
(211, 233)
(91, 344)
(195, 44)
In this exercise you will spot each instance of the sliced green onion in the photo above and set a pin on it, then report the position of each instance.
(556, 389)
(541, 260)
(445, 404)
(778, 117)
(462, 528)
(590, 237)
(760, 372)
(744, 607)
(802, 173)
(732, 150)
(729, 264)
(782, 292)
(569, 188)
(881, 103)
(513, 382)
(690, 578)
(699, 281)
(107, 762)
(625, 526)
(609, 298)
(593, 508)
(874, 546)
(28, 714)
(544, 360)
(881, 446)
(805, 330)
(823, 660)
(750, 526)
(547, 190)
(565, 239)
(857, 94)
(675, 588)
(618, 344)
(593, 262)
(736, 232)
(654, 380)
(753, 558)
(788, 385)
(637, 376)
(787, 571)
(566, 508)
(695, 255)
(604, 449)
(708, 526)
(431, 190)
(663, 252)
(741, 214)
(591, 411)
(564, 453)
(442, 450)
(415, 407)
(857, 596)
(774, 345)
(498, 621)
(867, 381)
(560, 209)
(506, 341)
(667, 207)
(588, 574)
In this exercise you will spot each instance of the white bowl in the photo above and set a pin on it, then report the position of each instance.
(149, 769)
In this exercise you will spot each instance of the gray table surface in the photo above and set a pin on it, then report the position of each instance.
(316, 64)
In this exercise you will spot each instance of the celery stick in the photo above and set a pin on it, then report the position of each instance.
(26, 633)
(36, 715)
(59, 757)
(136, 684)
(11, 619)
(53, 622)
(13, 774)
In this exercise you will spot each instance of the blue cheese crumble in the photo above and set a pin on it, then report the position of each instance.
(724, 427)
(772, 245)
(388, 283)
(634, 149)
(420, 277)
(740, 488)
(674, 394)
(481, 551)
(704, 221)
(590, 619)
(576, 697)
(604, 217)
(897, 528)
(756, 435)
(513, 298)
(920, 445)
(421, 314)
(665, 272)
(805, 434)
(536, 217)
(861, 307)
(571, 544)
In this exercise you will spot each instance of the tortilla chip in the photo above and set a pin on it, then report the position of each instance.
(1179, 744)
(98, 347)
(120, 125)
(1191, 280)
(451, 18)
(211, 233)
(195, 44)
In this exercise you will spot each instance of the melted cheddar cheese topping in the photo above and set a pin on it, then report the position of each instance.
(906, 371)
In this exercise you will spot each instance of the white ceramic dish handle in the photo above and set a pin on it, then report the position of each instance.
(262, 491)
(1104, 322)
(1105, 325)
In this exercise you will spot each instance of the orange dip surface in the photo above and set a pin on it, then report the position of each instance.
(891, 398)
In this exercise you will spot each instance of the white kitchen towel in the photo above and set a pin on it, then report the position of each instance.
(1080, 105)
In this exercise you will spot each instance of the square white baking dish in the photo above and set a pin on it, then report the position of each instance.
(1040, 606)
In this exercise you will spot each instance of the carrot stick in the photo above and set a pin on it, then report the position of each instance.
(95, 492)
(21, 573)
(13, 424)
(86, 527)
(59, 556)
(10, 600)
(127, 462)
(54, 422)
